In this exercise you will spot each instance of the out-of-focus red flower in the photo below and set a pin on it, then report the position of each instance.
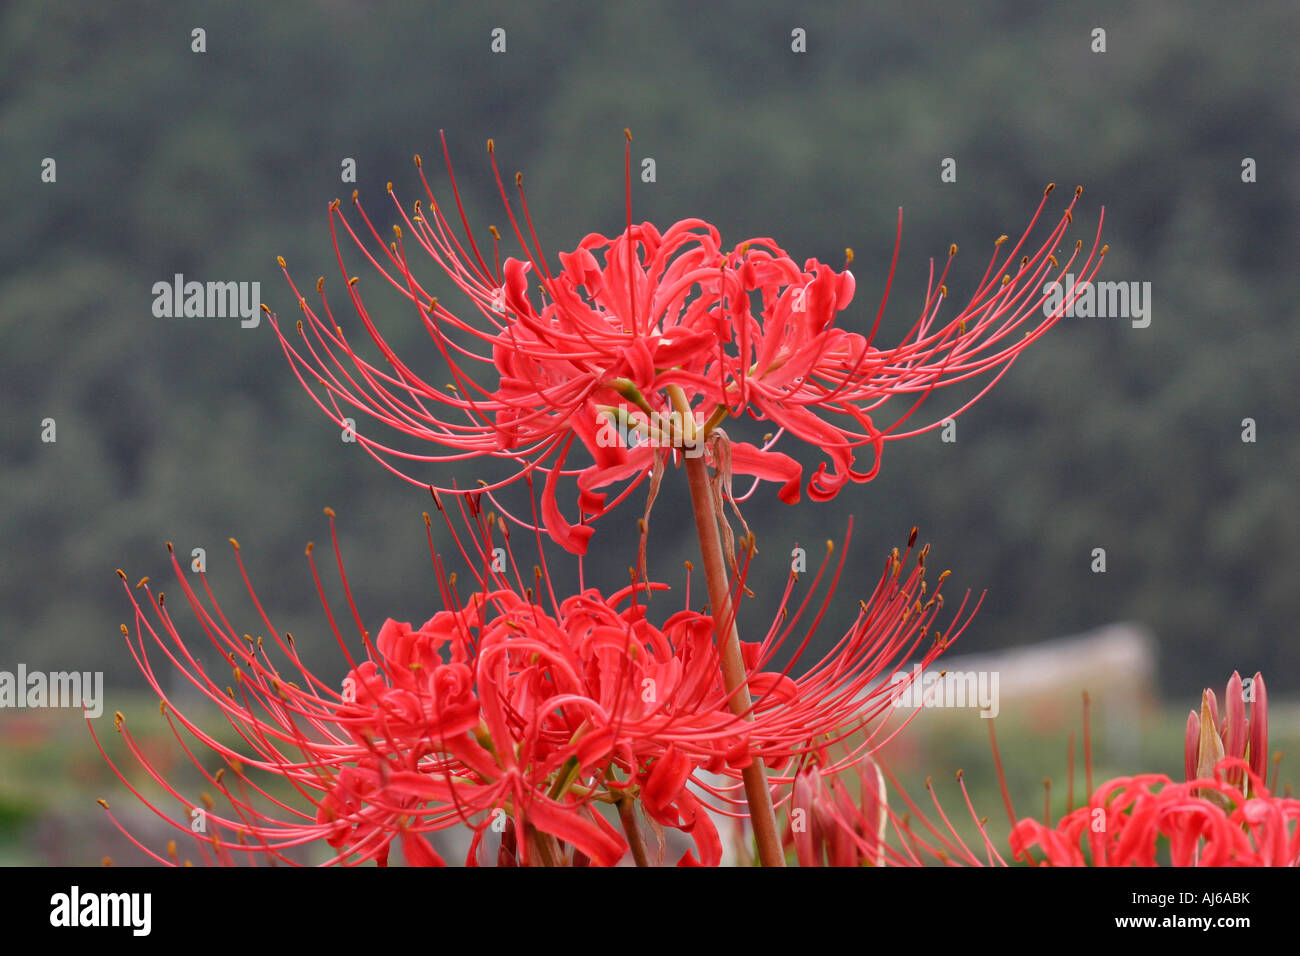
(847, 818)
(830, 826)
(608, 350)
(1210, 739)
(508, 709)
(1121, 824)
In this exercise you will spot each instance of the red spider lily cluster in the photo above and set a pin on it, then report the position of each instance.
(530, 721)
(631, 331)
(595, 728)
(1225, 816)
(1128, 819)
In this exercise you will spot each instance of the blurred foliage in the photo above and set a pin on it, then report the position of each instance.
(210, 165)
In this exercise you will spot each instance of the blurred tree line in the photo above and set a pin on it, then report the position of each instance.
(210, 164)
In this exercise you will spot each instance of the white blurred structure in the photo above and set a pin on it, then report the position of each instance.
(1115, 664)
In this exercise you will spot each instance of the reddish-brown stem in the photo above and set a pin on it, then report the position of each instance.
(627, 814)
(761, 814)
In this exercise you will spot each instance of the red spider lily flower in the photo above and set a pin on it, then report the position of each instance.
(1210, 739)
(500, 713)
(1124, 819)
(473, 719)
(640, 345)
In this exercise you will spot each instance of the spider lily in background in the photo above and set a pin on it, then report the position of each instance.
(1224, 815)
(550, 727)
(1207, 822)
(1210, 739)
(643, 344)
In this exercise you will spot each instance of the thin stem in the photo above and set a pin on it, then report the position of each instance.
(1069, 807)
(1087, 743)
(761, 814)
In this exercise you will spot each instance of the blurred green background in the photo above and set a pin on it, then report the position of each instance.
(1103, 435)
